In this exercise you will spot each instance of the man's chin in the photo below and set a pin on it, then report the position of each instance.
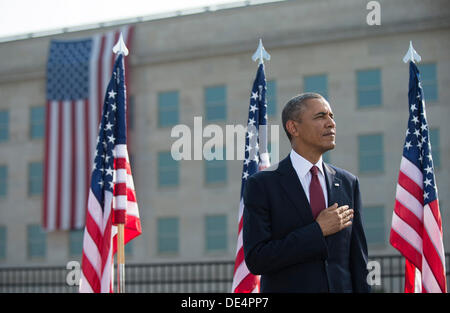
(329, 147)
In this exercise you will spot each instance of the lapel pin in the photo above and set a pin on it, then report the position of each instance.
(336, 184)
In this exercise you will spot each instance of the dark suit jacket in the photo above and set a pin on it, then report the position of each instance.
(284, 244)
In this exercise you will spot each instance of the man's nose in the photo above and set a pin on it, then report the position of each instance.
(331, 123)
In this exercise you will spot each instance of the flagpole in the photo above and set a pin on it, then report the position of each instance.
(120, 258)
(120, 48)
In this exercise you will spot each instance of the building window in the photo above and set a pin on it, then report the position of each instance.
(168, 108)
(316, 83)
(36, 240)
(4, 126)
(216, 233)
(215, 103)
(3, 181)
(76, 242)
(35, 178)
(37, 122)
(435, 147)
(168, 234)
(2, 242)
(216, 169)
(371, 156)
(374, 225)
(168, 170)
(369, 88)
(428, 79)
(271, 97)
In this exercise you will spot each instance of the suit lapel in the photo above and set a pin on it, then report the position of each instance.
(333, 185)
(293, 188)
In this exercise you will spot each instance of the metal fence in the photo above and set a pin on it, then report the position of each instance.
(176, 277)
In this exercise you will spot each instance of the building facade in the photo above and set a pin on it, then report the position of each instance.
(199, 65)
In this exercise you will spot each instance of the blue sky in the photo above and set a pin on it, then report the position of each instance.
(25, 16)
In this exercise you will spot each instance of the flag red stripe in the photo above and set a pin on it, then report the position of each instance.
(121, 163)
(239, 258)
(247, 285)
(409, 185)
(410, 218)
(434, 207)
(93, 230)
(90, 274)
(406, 249)
(410, 276)
(241, 223)
(120, 189)
(106, 243)
(433, 260)
(132, 230)
(131, 195)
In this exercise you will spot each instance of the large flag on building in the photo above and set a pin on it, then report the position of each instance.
(78, 72)
(256, 158)
(112, 197)
(416, 222)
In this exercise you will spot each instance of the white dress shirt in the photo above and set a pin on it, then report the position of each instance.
(302, 167)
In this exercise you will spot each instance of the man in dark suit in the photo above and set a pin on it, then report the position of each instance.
(302, 227)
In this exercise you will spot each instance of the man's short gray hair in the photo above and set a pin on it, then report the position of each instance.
(293, 108)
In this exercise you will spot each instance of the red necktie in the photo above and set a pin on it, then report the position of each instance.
(316, 197)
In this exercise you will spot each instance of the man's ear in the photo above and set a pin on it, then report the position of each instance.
(291, 128)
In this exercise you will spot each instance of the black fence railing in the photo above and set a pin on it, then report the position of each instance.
(180, 277)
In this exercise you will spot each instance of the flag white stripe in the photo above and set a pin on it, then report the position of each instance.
(120, 202)
(433, 231)
(95, 210)
(407, 232)
(66, 156)
(107, 271)
(121, 175)
(121, 151)
(411, 170)
(241, 272)
(239, 241)
(130, 182)
(409, 201)
(132, 209)
(91, 252)
(428, 279)
(108, 197)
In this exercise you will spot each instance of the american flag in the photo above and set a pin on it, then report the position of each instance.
(256, 158)
(112, 189)
(416, 222)
(78, 72)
